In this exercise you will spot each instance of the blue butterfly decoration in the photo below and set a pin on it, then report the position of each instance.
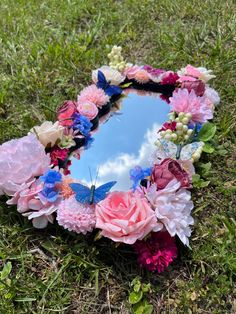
(93, 195)
(110, 90)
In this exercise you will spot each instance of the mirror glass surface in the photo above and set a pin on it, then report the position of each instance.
(123, 141)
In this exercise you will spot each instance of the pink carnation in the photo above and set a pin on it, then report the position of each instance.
(93, 94)
(87, 109)
(75, 216)
(157, 252)
(183, 101)
(169, 78)
(20, 161)
(125, 217)
(30, 205)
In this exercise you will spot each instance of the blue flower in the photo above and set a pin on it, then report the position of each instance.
(82, 124)
(137, 174)
(197, 127)
(50, 179)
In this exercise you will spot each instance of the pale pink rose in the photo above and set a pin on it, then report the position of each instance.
(183, 101)
(141, 76)
(75, 216)
(173, 208)
(93, 94)
(87, 109)
(20, 161)
(125, 217)
(30, 205)
(131, 71)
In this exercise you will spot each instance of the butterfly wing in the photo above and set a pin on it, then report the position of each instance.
(82, 192)
(165, 149)
(112, 90)
(189, 149)
(102, 82)
(101, 192)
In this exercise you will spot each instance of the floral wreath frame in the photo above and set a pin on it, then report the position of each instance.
(35, 168)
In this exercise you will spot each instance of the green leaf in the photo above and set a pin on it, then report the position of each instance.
(135, 297)
(137, 287)
(146, 287)
(6, 270)
(207, 132)
(208, 148)
(198, 182)
(143, 308)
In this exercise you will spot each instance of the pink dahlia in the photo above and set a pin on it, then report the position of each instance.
(75, 216)
(183, 101)
(157, 252)
(20, 161)
(93, 94)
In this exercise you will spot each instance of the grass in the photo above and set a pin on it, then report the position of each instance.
(48, 49)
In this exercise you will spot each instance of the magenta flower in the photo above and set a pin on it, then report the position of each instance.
(157, 252)
(183, 101)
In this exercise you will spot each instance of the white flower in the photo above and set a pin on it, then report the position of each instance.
(212, 95)
(48, 133)
(173, 207)
(112, 76)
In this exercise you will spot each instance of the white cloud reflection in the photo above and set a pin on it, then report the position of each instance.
(118, 168)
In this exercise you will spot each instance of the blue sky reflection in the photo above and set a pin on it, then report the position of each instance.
(124, 141)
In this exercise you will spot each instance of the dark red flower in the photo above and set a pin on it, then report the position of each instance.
(168, 126)
(198, 86)
(65, 112)
(157, 252)
(168, 170)
(170, 78)
(66, 170)
(58, 153)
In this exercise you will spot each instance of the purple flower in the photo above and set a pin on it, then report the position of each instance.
(137, 174)
(50, 192)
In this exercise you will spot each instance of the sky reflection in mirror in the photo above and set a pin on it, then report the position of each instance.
(122, 142)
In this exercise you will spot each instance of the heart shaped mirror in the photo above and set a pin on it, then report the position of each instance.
(123, 140)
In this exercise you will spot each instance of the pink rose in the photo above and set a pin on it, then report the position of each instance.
(168, 170)
(198, 86)
(125, 217)
(65, 112)
(87, 109)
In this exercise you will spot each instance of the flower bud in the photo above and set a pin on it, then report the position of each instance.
(185, 120)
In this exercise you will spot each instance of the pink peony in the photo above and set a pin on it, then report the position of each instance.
(30, 205)
(183, 101)
(87, 109)
(168, 170)
(75, 216)
(125, 217)
(198, 86)
(173, 208)
(20, 161)
(65, 112)
(93, 94)
(157, 252)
